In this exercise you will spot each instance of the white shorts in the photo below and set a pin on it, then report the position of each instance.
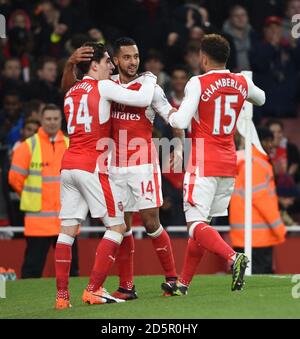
(140, 186)
(206, 197)
(82, 191)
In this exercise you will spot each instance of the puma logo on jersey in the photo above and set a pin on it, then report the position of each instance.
(112, 258)
(165, 248)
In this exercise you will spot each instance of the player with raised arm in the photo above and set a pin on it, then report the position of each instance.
(85, 182)
(137, 177)
(212, 104)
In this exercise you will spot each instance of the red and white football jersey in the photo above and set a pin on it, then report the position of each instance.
(82, 111)
(87, 108)
(132, 126)
(212, 104)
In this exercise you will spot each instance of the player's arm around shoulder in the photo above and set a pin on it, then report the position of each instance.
(19, 168)
(141, 98)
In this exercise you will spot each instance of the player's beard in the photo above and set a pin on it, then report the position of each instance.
(127, 73)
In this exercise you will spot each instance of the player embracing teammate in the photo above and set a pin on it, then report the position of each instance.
(134, 166)
(212, 104)
(85, 185)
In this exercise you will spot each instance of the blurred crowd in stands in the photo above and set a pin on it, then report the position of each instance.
(41, 35)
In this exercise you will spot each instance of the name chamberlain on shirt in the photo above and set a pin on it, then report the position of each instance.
(223, 83)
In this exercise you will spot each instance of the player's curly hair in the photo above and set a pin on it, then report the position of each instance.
(99, 50)
(216, 47)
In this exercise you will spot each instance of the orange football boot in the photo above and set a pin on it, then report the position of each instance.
(62, 304)
(101, 296)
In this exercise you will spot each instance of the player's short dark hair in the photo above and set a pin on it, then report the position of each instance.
(99, 51)
(123, 41)
(216, 47)
(271, 122)
(50, 107)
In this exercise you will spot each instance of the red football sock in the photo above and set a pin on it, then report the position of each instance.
(193, 255)
(105, 257)
(125, 261)
(63, 258)
(162, 244)
(207, 237)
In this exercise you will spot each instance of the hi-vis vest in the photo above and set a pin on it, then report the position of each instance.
(267, 226)
(31, 197)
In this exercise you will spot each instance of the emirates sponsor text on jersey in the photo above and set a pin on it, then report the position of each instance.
(125, 116)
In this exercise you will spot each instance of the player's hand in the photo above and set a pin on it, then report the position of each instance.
(81, 54)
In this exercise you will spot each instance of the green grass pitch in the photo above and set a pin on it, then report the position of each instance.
(209, 297)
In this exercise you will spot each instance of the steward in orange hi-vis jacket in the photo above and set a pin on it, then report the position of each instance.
(35, 175)
(268, 228)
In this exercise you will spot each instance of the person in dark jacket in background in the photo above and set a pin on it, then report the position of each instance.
(275, 65)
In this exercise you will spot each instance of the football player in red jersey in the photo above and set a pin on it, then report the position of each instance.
(86, 185)
(136, 174)
(212, 104)
(136, 170)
